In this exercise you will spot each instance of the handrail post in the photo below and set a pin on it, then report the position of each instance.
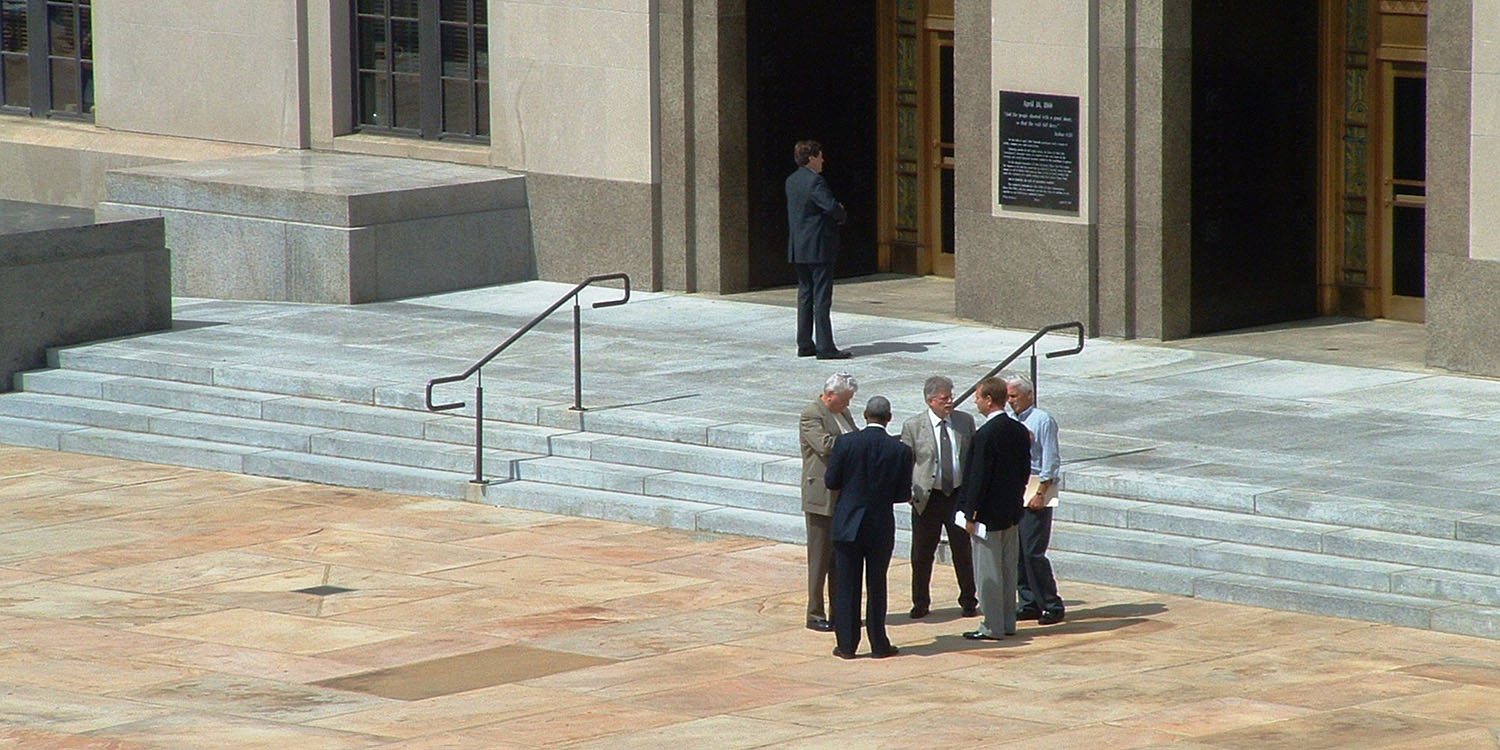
(577, 358)
(479, 431)
(1034, 397)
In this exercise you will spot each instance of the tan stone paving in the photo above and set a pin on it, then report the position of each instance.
(147, 606)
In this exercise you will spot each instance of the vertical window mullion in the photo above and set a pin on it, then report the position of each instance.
(41, 67)
(389, 74)
(429, 36)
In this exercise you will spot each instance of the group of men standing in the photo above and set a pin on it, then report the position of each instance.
(991, 488)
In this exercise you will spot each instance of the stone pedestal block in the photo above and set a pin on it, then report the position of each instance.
(300, 226)
(66, 280)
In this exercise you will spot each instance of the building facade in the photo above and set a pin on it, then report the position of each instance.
(1154, 168)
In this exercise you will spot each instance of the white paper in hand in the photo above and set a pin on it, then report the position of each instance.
(962, 521)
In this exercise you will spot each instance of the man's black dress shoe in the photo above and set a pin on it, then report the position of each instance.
(806, 352)
(892, 651)
(835, 354)
(1028, 614)
(842, 654)
(917, 613)
(821, 625)
(980, 635)
(971, 612)
(1050, 618)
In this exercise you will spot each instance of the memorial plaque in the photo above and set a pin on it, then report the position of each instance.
(1039, 150)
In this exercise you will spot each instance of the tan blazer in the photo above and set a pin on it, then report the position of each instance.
(817, 430)
(917, 433)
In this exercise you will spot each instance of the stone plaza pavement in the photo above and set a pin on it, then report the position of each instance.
(151, 606)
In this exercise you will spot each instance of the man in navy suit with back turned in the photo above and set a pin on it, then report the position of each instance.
(812, 246)
(871, 469)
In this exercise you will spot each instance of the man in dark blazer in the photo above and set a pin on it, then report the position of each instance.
(812, 245)
(872, 472)
(992, 497)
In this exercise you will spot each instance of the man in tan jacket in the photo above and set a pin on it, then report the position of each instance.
(826, 418)
(939, 437)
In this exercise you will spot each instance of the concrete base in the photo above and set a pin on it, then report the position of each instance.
(65, 280)
(332, 228)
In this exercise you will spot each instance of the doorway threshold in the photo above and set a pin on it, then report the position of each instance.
(887, 295)
(1355, 342)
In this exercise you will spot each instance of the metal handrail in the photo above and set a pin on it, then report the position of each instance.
(475, 369)
(1030, 343)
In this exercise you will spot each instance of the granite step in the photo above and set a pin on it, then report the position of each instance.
(159, 449)
(49, 407)
(344, 472)
(1280, 594)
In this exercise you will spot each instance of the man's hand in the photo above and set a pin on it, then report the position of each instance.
(1037, 501)
(970, 527)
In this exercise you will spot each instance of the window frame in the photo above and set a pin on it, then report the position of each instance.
(432, 81)
(40, 59)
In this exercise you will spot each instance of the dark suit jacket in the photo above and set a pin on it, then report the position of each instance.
(996, 475)
(872, 472)
(813, 217)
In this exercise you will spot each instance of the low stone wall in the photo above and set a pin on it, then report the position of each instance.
(301, 226)
(66, 280)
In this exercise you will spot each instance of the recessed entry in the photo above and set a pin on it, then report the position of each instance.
(457, 674)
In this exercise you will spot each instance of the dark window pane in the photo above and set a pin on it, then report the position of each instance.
(17, 80)
(945, 94)
(86, 30)
(405, 48)
(65, 96)
(374, 96)
(458, 103)
(372, 47)
(482, 117)
(456, 10)
(63, 39)
(1409, 122)
(372, 6)
(408, 101)
(1408, 251)
(88, 88)
(404, 8)
(455, 50)
(13, 28)
(481, 54)
(481, 11)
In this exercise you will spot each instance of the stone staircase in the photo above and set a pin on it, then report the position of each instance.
(1220, 540)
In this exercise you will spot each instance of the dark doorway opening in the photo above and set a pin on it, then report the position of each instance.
(1255, 182)
(811, 74)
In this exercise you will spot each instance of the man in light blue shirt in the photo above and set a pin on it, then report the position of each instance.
(1036, 586)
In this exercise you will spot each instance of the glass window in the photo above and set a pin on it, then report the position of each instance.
(422, 67)
(47, 58)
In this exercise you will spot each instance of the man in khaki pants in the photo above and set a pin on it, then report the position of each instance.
(826, 418)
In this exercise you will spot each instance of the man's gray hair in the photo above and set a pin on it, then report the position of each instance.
(840, 382)
(1021, 382)
(878, 409)
(935, 385)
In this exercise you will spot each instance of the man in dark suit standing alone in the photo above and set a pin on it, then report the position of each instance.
(991, 496)
(872, 472)
(812, 246)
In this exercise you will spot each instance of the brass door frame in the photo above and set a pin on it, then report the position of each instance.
(1362, 42)
(908, 222)
(1396, 306)
(937, 35)
(1399, 40)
